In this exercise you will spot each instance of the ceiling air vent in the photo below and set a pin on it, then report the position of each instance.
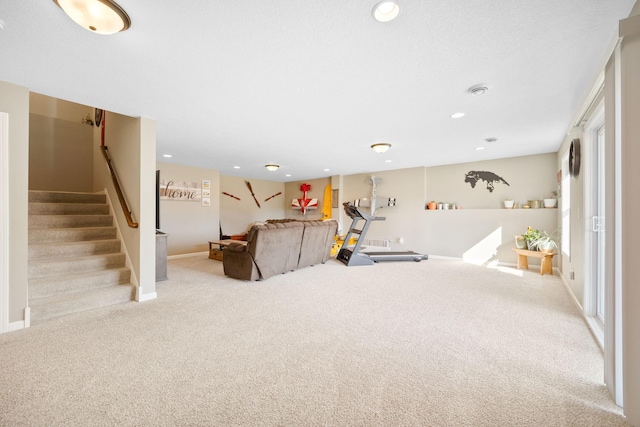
(478, 90)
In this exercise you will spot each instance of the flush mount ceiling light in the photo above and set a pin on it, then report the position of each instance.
(272, 167)
(380, 147)
(478, 90)
(386, 11)
(98, 16)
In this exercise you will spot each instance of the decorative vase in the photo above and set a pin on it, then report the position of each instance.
(550, 203)
(521, 243)
(508, 204)
(432, 206)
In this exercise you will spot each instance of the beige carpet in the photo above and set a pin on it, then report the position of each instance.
(435, 343)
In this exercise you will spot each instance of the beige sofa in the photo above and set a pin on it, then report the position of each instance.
(278, 247)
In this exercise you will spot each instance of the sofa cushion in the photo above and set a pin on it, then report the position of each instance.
(275, 248)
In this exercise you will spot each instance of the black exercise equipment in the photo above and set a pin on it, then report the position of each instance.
(352, 256)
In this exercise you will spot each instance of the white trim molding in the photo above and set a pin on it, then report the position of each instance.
(4, 222)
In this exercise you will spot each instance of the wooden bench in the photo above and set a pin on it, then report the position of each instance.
(547, 259)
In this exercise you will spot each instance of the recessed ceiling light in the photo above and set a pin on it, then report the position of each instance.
(97, 16)
(478, 90)
(288, 174)
(457, 115)
(386, 11)
(479, 148)
(387, 161)
(167, 155)
(236, 167)
(492, 139)
(327, 170)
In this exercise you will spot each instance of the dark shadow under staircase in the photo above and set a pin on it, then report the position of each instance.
(75, 262)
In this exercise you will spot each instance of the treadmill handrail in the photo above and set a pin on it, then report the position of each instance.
(355, 212)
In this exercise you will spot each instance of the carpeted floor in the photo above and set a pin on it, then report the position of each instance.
(435, 343)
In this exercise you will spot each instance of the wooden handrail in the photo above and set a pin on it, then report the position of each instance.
(116, 184)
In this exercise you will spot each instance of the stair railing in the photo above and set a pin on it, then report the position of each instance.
(116, 184)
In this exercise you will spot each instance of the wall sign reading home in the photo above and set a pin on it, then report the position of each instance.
(180, 190)
(490, 178)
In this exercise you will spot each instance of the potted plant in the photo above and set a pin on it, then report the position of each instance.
(531, 236)
(432, 205)
(508, 204)
(521, 243)
(544, 243)
(551, 203)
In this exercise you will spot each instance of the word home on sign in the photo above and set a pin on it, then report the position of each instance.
(180, 190)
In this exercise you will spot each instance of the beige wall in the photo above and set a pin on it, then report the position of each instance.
(131, 143)
(236, 216)
(292, 191)
(47, 106)
(481, 232)
(60, 155)
(630, 134)
(529, 177)
(60, 145)
(14, 100)
(575, 262)
(189, 224)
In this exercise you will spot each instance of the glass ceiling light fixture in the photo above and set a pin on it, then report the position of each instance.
(380, 147)
(272, 167)
(386, 11)
(97, 16)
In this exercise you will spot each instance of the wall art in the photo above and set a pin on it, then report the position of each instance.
(472, 177)
(180, 190)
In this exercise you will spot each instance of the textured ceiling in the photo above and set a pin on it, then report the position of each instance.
(311, 85)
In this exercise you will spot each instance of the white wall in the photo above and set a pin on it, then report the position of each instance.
(190, 225)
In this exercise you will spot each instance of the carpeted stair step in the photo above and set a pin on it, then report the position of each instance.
(38, 208)
(43, 287)
(53, 267)
(50, 235)
(73, 249)
(66, 197)
(59, 305)
(69, 221)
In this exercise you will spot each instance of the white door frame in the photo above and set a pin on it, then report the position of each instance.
(4, 222)
(591, 209)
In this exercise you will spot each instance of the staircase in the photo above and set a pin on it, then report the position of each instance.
(75, 263)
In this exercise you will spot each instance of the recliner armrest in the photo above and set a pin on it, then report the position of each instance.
(237, 247)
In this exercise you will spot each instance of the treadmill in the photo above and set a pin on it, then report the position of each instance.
(351, 256)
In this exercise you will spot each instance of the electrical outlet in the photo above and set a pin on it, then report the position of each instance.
(401, 240)
(572, 275)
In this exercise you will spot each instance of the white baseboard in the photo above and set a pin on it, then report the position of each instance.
(147, 297)
(188, 255)
(16, 326)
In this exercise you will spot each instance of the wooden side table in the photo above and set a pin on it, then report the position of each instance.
(547, 259)
(216, 253)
